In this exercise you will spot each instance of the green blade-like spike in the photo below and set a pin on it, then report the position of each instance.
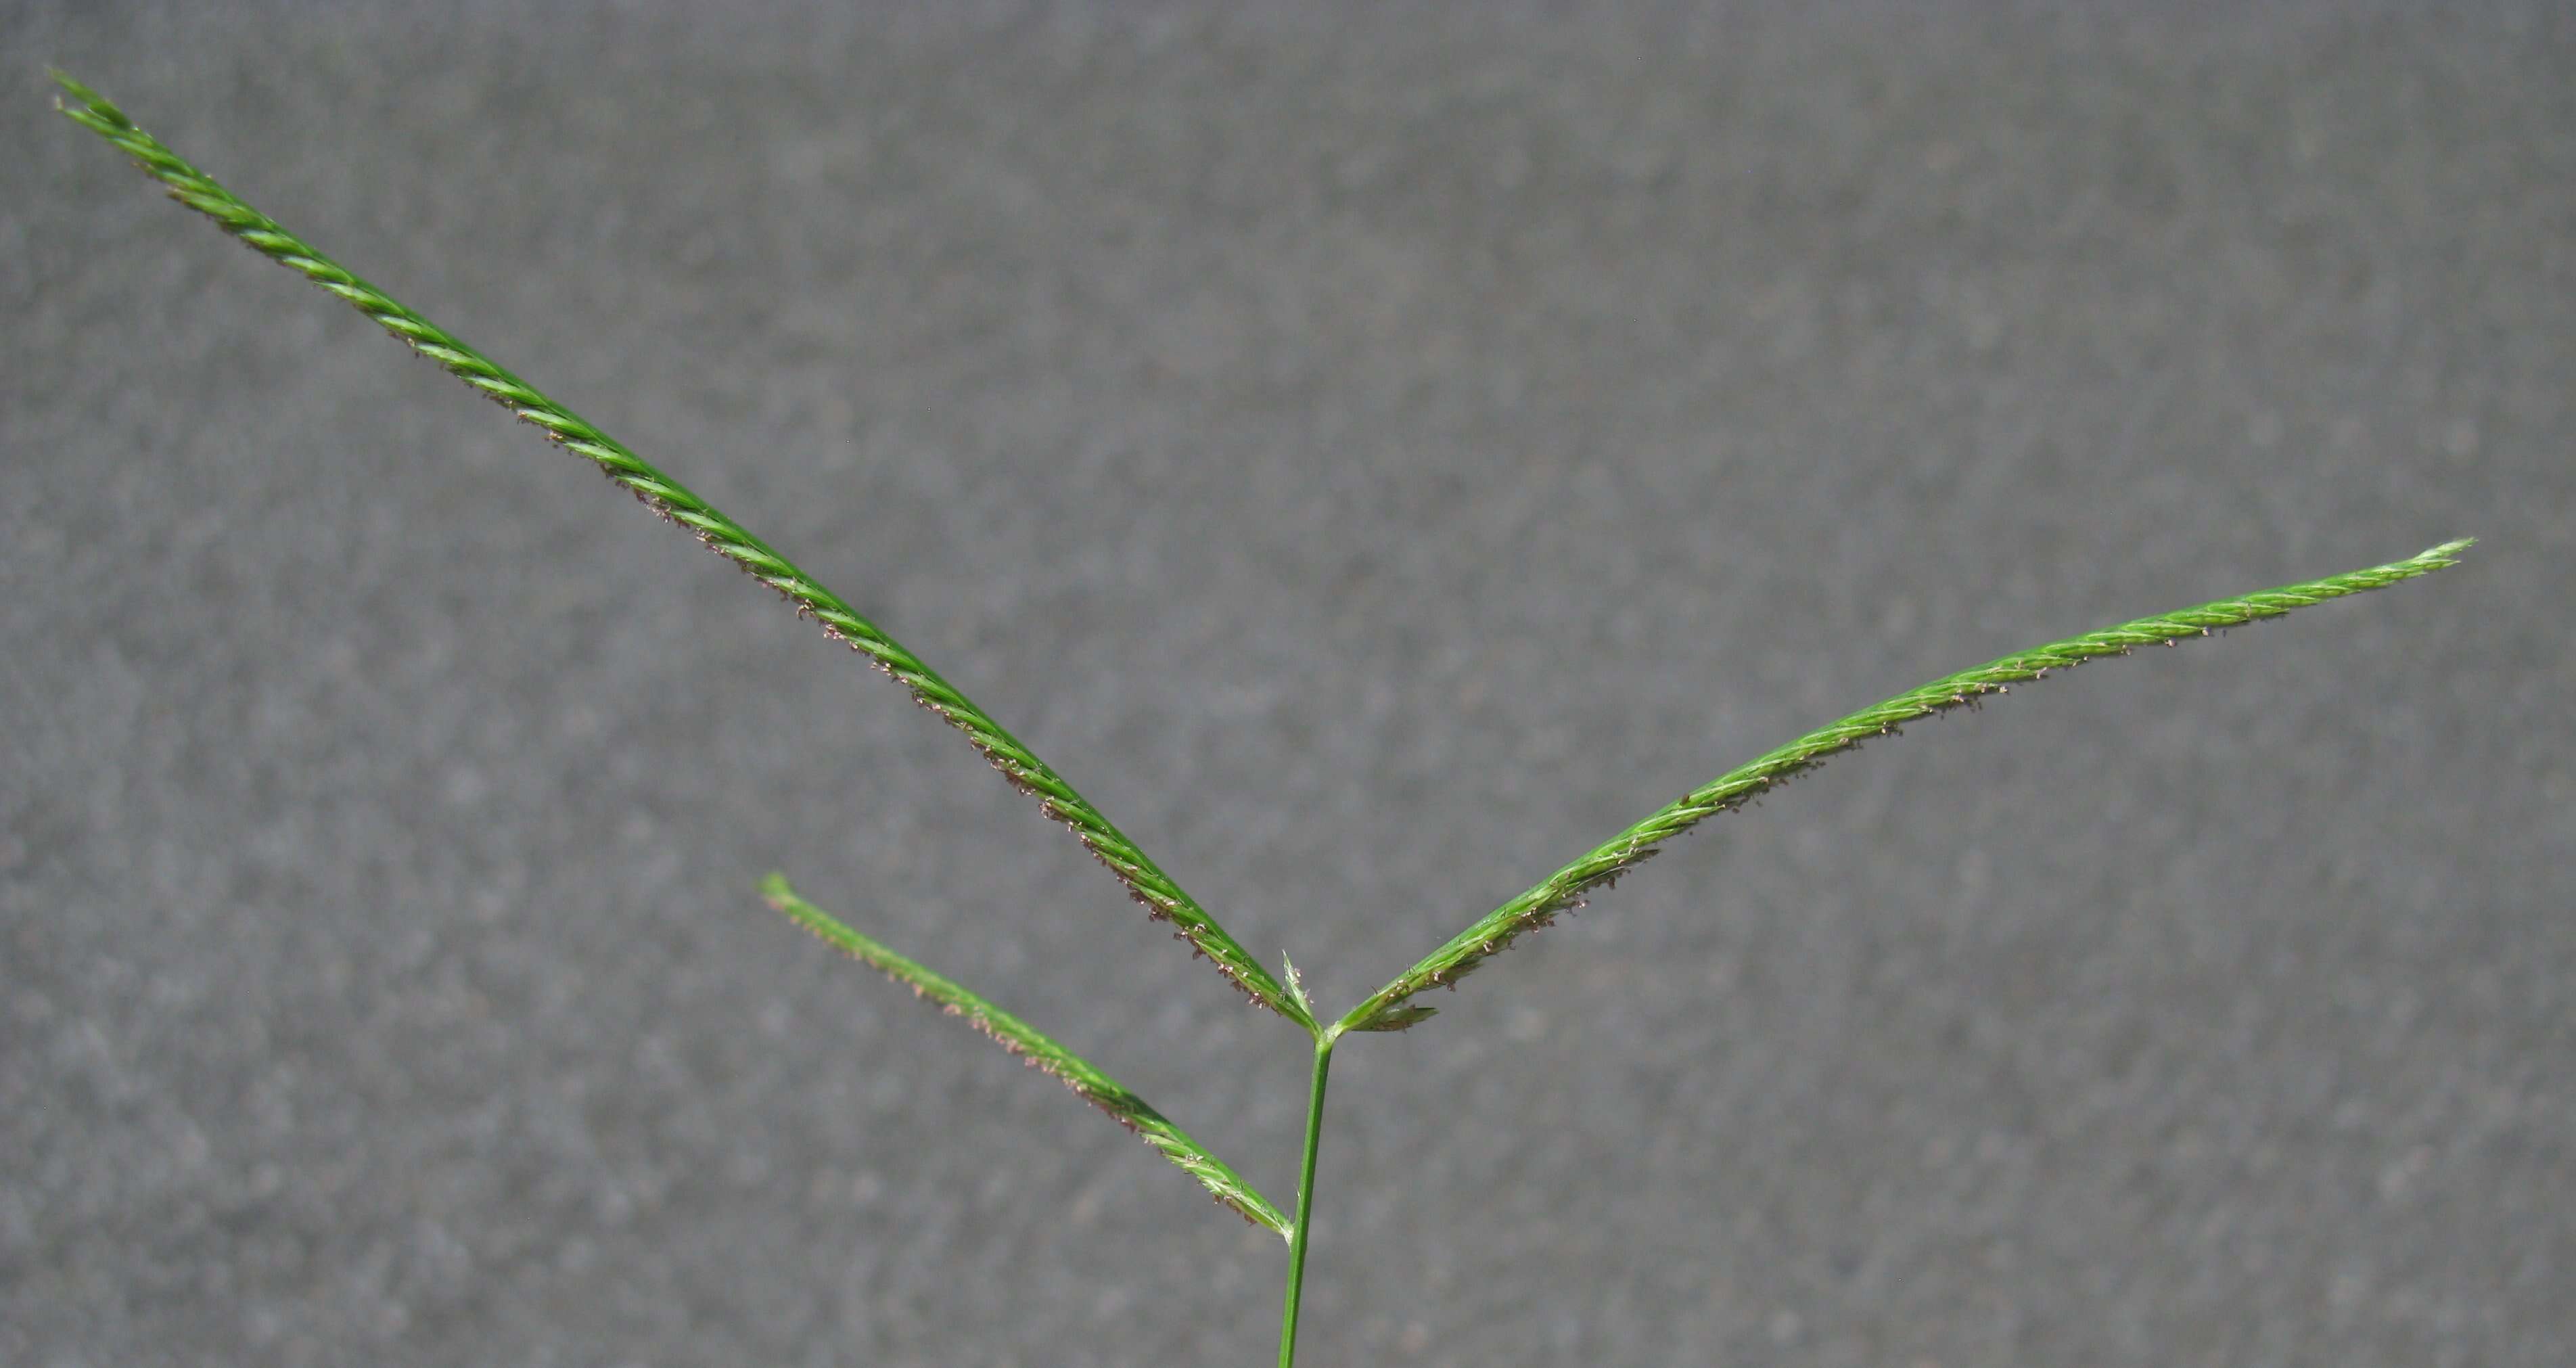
(1038, 1052)
(1162, 898)
(1389, 1009)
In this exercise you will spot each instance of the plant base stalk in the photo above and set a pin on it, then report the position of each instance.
(1305, 1203)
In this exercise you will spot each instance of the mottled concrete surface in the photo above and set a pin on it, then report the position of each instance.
(1376, 455)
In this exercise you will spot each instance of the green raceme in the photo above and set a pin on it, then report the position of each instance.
(1391, 1008)
(1146, 883)
(1039, 1052)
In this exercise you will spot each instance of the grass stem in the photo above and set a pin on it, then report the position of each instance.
(1305, 1200)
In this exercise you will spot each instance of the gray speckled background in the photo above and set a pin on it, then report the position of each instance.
(1376, 456)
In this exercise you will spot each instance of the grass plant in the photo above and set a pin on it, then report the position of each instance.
(1394, 1007)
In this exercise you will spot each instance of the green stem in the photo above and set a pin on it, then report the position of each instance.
(1305, 1200)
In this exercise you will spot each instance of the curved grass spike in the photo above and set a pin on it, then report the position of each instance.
(1391, 1008)
(1146, 883)
(1038, 1052)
